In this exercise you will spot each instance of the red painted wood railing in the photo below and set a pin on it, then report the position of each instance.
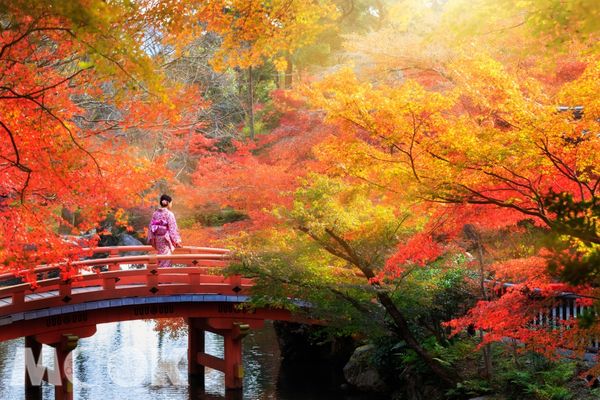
(201, 273)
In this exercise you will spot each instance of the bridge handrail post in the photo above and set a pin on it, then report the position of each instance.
(236, 283)
(152, 262)
(64, 288)
(194, 277)
(108, 283)
(152, 274)
(18, 297)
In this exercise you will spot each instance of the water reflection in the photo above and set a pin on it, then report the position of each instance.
(131, 360)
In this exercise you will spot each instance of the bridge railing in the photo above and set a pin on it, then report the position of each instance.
(103, 278)
(117, 250)
(114, 259)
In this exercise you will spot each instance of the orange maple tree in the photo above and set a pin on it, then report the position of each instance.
(72, 91)
(492, 139)
(503, 142)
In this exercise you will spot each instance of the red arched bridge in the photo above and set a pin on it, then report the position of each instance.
(58, 312)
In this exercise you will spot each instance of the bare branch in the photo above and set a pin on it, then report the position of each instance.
(29, 31)
(38, 92)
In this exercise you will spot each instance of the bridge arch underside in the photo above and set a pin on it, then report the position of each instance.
(219, 311)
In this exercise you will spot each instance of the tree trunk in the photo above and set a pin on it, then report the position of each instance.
(487, 349)
(400, 323)
(289, 70)
(472, 233)
(251, 103)
(404, 331)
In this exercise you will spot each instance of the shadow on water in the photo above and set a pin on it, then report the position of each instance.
(131, 360)
(197, 392)
(314, 382)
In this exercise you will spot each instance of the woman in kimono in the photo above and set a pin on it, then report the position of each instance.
(163, 233)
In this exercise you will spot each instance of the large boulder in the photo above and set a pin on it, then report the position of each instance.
(121, 239)
(361, 373)
(125, 239)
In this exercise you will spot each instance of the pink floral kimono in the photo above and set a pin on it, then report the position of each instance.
(163, 234)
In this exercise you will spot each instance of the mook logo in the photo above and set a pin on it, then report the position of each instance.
(125, 367)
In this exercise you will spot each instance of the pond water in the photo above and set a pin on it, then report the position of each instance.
(128, 360)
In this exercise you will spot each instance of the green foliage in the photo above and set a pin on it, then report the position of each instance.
(575, 244)
(470, 388)
(535, 377)
(587, 318)
(325, 203)
(580, 269)
(291, 267)
(400, 366)
(391, 356)
(573, 217)
(210, 215)
(431, 295)
(515, 376)
(456, 352)
(221, 217)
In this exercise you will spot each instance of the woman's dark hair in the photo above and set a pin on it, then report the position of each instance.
(165, 199)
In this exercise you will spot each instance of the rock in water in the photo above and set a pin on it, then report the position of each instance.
(361, 373)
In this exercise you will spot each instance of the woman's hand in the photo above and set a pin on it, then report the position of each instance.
(178, 244)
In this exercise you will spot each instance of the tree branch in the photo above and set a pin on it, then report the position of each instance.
(62, 123)
(326, 246)
(27, 33)
(17, 162)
